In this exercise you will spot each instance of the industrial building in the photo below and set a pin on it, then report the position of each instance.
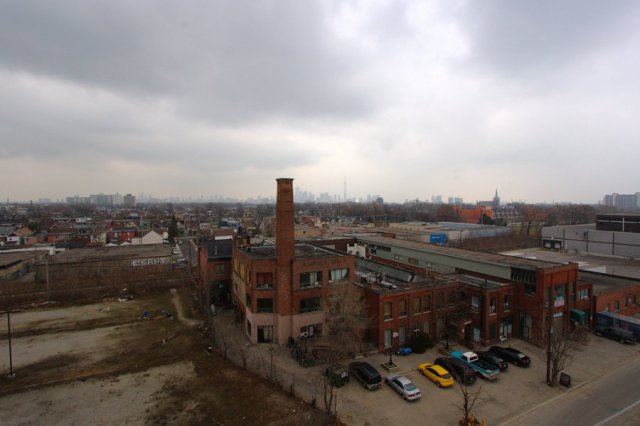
(281, 292)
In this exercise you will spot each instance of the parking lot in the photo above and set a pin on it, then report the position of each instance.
(514, 392)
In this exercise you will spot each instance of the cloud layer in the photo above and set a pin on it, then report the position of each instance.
(407, 99)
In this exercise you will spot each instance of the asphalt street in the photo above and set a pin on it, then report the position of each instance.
(612, 399)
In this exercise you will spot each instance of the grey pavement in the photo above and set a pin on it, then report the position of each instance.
(514, 395)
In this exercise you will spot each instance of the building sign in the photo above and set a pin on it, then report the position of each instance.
(147, 262)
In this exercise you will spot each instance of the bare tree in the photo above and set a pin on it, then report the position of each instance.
(469, 400)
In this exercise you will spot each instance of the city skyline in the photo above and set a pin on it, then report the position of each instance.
(406, 99)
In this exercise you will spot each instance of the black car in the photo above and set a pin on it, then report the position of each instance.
(494, 360)
(622, 336)
(458, 369)
(366, 374)
(511, 355)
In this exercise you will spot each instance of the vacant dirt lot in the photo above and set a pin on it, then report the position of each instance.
(108, 363)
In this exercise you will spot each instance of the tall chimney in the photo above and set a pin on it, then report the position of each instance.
(285, 244)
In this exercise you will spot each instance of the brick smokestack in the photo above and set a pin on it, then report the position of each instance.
(285, 243)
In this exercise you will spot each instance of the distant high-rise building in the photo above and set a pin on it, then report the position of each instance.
(622, 201)
(129, 200)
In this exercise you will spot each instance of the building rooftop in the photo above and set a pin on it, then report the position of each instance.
(603, 283)
(112, 253)
(302, 251)
(497, 259)
(218, 249)
(617, 266)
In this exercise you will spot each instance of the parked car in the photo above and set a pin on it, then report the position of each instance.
(366, 374)
(405, 387)
(493, 359)
(337, 374)
(483, 369)
(458, 369)
(436, 374)
(511, 355)
(622, 336)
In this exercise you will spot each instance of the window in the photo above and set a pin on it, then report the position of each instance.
(607, 308)
(403, 308)
(626, 301)
(492, 305)
(413, 261)
(387, 311)
(338, 275)
(311, 279)
(387, 338)
(265, 333)
(426, 303)
(264, 305)
(616, 306)
(402, 335)
(583, 294)
(264, 280)
(440, 300)
(416, 306)
(313, 330)
(398, 258)
(507, 302)
(425, 327)
(220, 268)
(248, 301)
(310, 305)
(475, 303)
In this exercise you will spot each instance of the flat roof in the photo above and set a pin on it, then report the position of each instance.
(603, 283)
(497, 259)
(302, 251)
(93, 254)
(616, 266)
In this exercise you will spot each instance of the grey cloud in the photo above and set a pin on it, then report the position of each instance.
(232, 61)
(531, 39)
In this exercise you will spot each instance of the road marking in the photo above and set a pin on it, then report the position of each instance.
(613, 416)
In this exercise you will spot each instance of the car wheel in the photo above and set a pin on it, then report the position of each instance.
(621, 340)
(403, 396)
(439, 384)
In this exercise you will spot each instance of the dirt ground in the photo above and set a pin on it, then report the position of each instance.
(107, 363)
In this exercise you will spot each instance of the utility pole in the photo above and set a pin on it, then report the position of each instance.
(549, 333)
(11, 373)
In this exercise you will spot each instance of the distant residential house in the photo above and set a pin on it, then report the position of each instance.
(150, 237)
(17, 237)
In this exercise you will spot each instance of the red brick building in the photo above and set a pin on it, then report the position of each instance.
(281, 292)
(214, 272)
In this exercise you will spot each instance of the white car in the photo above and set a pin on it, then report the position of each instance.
(404, 387)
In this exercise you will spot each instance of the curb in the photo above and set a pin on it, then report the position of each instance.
(573, 389)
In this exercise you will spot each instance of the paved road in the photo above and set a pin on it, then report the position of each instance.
(188, 250)
(613, 399)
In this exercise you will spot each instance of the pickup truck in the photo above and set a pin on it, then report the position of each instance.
(483, 369)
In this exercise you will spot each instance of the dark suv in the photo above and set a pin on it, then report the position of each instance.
(622, 336)
(493, 360)
(366, 374)
(512, 355)
(458, 369)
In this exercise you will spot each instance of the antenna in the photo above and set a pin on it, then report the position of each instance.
(345, 188)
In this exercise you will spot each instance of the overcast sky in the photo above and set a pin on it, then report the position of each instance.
(539, 99)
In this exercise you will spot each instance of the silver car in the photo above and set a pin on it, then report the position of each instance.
(404, 387)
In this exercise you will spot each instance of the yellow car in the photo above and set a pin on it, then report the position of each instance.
(437, 374)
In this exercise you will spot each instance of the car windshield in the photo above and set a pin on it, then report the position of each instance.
(410, 386)
(521, 356)
(446, 376)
